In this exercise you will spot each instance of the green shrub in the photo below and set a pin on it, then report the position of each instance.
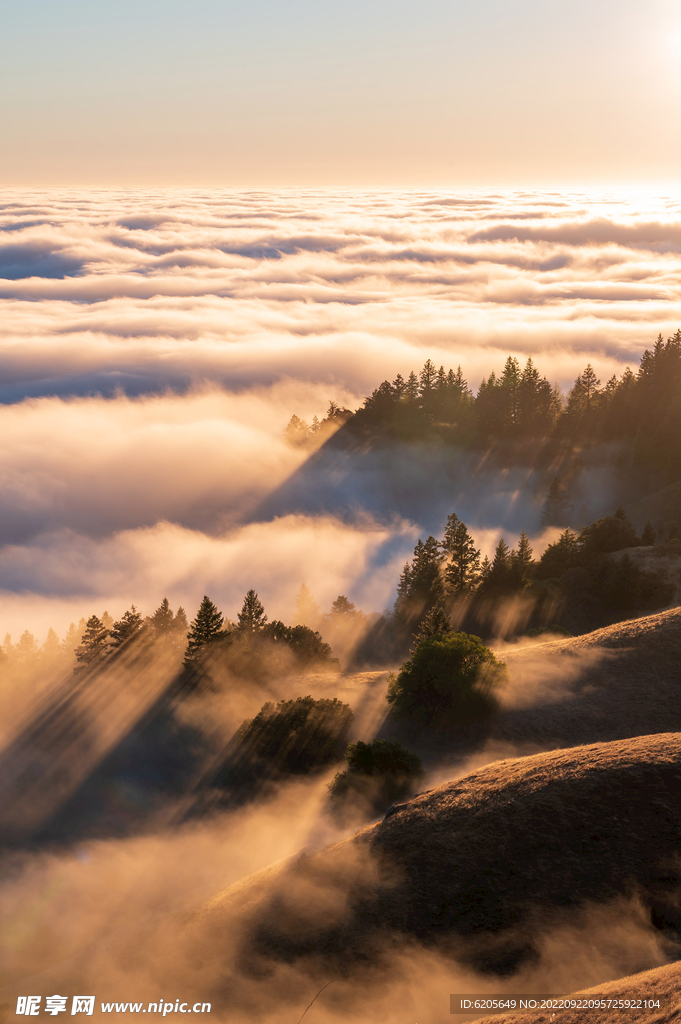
(449, 680)
(295, 736)
(378, 774)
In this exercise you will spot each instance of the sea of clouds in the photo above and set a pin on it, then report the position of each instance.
(154, 345)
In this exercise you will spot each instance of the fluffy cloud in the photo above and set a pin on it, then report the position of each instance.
(146, 291)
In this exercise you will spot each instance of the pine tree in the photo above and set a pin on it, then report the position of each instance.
(26, 649)
(51, 649)
(584, 394)
(421, 581)
(307, 609)
(648, 535)
(459, 382)
(523, 554)
(435, 623)
(107, 620)
(8, 646)
(162, 621)
(205, 629)
(252, 615)
(399, 386)
(411, 388)
(341, 606)
(557, 510)
(180, 624)
(94, 644)
(485, 570)
(126, 628)
(70, 641)
(297, 431)
(463, 571)
(510, 391)
(427, 380)
(500, 576)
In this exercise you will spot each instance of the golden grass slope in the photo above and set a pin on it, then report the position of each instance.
(661, 984)
(617, 682)
(479, 867)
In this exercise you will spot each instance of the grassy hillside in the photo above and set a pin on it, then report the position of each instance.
(616, 682)
(662, 983)
(480, 867)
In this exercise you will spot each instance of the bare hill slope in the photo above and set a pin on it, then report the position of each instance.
(617, 682)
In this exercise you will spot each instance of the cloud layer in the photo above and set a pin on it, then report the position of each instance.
(141, 291)
(154, 345)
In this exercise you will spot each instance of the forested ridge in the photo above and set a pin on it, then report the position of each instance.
(519, 406)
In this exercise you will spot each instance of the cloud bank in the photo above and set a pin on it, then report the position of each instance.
(154, 344)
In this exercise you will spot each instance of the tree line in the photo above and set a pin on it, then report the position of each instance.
(576, 583)
(641, 409)
(98, 640)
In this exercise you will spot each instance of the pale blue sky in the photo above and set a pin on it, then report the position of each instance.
(296, 92)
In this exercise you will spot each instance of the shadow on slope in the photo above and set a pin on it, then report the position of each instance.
(480, 868)
(356, 473)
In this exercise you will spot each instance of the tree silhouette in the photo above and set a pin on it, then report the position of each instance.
(126, 628)
(162, 620)
(463, 571)
(307, 609)
(648, 535)
(341, 606)
(252, 615)
(205, 629)
(523, 554)
(180, 624)
(94, 644)
(435, 623)
(557, 510)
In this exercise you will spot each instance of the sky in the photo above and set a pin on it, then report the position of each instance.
(293, 92)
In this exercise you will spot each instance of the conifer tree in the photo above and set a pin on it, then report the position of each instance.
(205, 629)
(463, 570)
(51, 649)
(341, 606)
(94, 644)
(162, 621)
(557, 510)
(126, 628)
(252, 615)
(485, 570)
(70, 641)
(180, 624)
(435, 623)
(523, 554)
(411, 389)
(648, 535)
(510, 391)
(421, 581)
(399, 386)
(307, 609)
(427, 380)
(107, 620)
(26, 649)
